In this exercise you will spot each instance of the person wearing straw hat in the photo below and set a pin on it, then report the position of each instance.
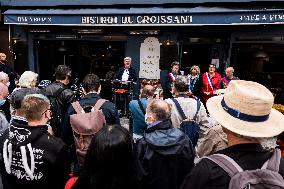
(246, 115)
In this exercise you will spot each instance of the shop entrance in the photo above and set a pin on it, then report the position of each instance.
(82, 57)
(261, 62)
(196, 54)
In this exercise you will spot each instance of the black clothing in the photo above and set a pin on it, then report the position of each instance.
(122, 99)
(108, 108)
(208, 175)
(65, 98)
(197, 87)
(132, 74)
(47, 169)
(164, 157)
(166, 83)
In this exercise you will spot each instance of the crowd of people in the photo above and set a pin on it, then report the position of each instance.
(192, 136)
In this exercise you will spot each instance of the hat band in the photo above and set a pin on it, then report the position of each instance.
(239, 115)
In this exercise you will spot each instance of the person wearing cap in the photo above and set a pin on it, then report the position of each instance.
(246, 116)
(44, 83)
(16, 99)
(210, 83)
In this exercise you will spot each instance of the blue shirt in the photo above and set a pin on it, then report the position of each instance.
(138, 117)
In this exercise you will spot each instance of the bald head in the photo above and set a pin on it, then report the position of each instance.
(159, 110)
(2, 58)
(148, 91)
(3, 91)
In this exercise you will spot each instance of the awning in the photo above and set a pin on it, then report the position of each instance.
(155, 16)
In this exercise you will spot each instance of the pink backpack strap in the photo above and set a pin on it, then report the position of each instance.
(77, 107)
(273, 162)
(226, 163)
(99, 104)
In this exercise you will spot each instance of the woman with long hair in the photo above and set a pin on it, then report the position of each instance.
(108, 162)
(195, 82)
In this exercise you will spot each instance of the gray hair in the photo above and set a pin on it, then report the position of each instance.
(181, 83)
(27, 78)
(128, 58)
(266, 143)
(3, 76)
(231, 69)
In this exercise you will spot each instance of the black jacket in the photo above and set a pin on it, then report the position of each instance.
(164, 157)
(49, 154)
(65, 98)
(208, 175)
(108, 108)
(132, 74)
(196, 90)
(166, 83)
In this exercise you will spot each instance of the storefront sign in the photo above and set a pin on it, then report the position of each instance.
(226, 18)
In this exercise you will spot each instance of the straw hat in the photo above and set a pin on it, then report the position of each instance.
(246, 109)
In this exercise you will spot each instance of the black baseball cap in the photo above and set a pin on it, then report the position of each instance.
(18, 96)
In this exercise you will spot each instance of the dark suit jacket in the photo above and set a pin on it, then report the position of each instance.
(132, 74)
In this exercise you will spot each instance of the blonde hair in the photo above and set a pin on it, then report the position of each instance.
(196, 68)
(34, 105)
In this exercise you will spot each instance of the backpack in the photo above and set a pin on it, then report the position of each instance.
(57, 116)
(85, 125)
(189, 127)
(266, 177)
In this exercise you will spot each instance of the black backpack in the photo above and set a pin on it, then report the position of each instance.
(189, 127)
(56, 120)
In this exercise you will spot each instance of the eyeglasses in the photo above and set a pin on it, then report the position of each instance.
(46, 111)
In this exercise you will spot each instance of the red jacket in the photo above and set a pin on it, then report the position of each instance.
(206, 86)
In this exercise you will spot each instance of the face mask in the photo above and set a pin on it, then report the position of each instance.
(2, 102)
(8, 84)
(146, 117)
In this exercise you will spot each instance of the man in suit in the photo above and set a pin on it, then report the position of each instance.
(168, 78)
(124, 75)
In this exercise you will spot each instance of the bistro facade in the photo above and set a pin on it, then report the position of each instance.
(249, 38)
